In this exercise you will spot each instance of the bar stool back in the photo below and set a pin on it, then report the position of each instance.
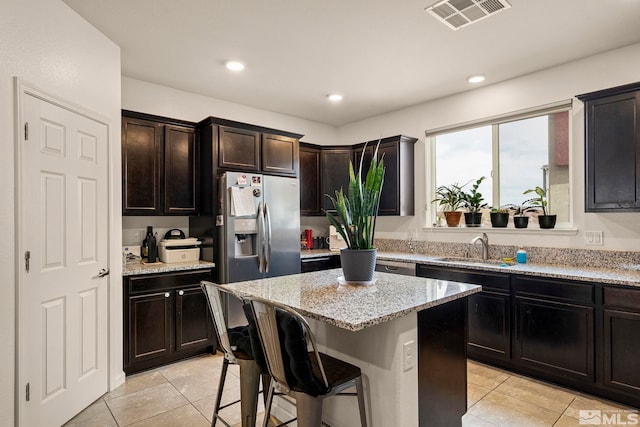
(249, 370)
(309, 376)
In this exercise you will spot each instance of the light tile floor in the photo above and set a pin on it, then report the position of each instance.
(183, 394)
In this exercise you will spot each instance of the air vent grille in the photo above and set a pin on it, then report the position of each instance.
(460, 13)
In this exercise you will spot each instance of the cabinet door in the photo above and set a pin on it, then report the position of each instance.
(335, 173)
(317, 264)
(310, 194)
(555, 338)
(613, 153)
(193, 322)
(141, 160)
(238, 149)
(489, 330)
(279, 155)
(622, 351)
(179, 170)
(150, 323)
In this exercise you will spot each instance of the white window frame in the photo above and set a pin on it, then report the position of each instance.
(431, 209)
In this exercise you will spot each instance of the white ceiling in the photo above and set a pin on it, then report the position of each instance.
(382, 55)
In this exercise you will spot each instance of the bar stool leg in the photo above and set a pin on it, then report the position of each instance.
(267, 405)
(309, 410)
(216, 408)
(249, 388)
(361, 407)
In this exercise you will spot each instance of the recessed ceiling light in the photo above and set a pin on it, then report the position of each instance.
(334, 97)
(476, 78)
(234, 65)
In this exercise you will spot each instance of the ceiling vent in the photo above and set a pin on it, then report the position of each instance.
(460, 13)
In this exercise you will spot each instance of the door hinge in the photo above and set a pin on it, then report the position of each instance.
(28, 396)
(27, 257)
(26, 131)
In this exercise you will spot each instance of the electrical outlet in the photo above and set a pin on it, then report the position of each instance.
(593, 238)
(409, 355)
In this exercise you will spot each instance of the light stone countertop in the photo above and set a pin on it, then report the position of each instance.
(161, 267)
(319, 295)
(317, 253)
(628, 275)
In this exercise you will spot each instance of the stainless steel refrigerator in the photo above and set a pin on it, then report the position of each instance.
(258, 229)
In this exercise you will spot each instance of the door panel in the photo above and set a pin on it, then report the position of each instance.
(62, 319)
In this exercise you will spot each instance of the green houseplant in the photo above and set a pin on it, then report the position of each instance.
(473, 201)
(449, 198)
(355, 219)
(545, 220)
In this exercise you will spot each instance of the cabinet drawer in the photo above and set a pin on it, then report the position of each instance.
(622, 298)
(489, 281)
(571, 292)
(158, 282)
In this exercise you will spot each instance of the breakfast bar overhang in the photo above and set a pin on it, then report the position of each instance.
(407, 334)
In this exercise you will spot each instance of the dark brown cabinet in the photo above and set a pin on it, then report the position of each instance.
(239, 149)
(612, 149)
(397, 197)
(319, 263)
(310, 182)
(488, 312)
(159, 166)
(280, 155)
(622, 340)
(334, 162)
(166, 318)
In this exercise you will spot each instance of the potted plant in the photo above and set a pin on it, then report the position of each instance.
(499, 217)
(449, 198)
(473, 201)
(520, 220)
(355, 219)
(545, 221)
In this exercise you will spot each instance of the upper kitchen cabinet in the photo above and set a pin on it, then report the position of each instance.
(310, 195)
(334, 163)
(397, 197)
(612, 149)
(159, 158)
(243, 147)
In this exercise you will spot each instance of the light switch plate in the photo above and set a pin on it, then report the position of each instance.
(593, 238)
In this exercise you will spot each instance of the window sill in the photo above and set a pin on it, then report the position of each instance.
(508, 230)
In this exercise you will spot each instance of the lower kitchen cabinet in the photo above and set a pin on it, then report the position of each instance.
(488, 312)
(622, 340)
(320, 263)
(166, 318)
(554, 327)
(581, 335)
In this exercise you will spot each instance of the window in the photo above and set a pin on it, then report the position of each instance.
(514, 152)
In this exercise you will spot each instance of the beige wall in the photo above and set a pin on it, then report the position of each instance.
(46, 44)
(621, 230)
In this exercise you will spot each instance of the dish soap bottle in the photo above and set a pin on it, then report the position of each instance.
(521, 256)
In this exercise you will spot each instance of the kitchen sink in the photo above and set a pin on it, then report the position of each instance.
(470, 260)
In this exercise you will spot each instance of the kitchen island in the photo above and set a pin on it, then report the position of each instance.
(407, 334)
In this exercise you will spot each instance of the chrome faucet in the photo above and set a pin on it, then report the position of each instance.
(484, 239)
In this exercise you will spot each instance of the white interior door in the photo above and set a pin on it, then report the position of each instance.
(62, 321)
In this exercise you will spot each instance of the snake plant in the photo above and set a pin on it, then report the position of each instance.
(356, 213)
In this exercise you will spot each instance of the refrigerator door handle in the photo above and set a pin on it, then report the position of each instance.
(260, 243)
(267, 236)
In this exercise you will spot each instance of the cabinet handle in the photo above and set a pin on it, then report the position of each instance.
(166, 294)
(476, 308)
(181, 293)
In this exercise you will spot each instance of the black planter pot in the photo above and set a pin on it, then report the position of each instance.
(473, 219)
(547, 221)
(499, 219)
(358, 265)
(520, 221)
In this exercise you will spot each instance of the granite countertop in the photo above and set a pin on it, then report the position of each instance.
(626, 275)
(161, 267)
(319, 295)
(317, 253)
